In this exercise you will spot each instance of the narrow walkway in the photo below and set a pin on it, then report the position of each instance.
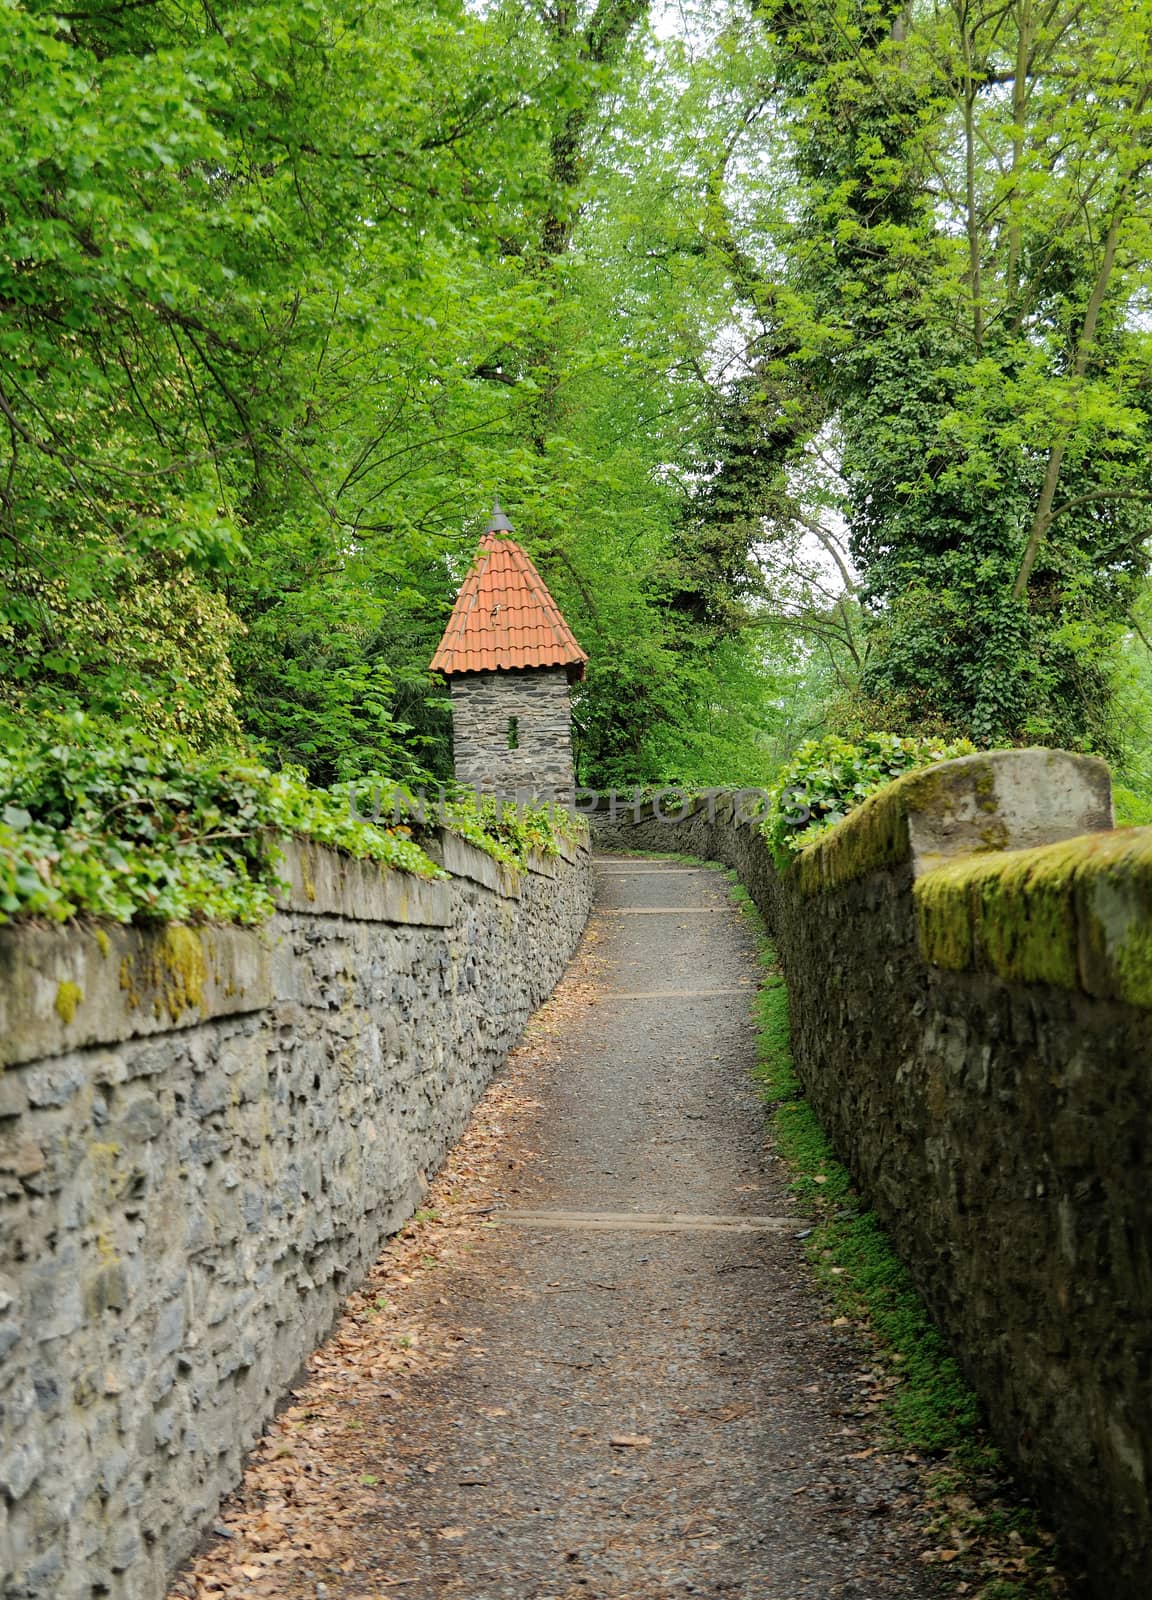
(624, 1406)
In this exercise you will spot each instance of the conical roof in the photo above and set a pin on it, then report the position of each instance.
(504, 616)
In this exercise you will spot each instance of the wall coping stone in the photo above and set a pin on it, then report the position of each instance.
(464, 860)
(322, 882)
(1076, 914)
(71, 986)
(1002, 800)
(65, 988)
(542, 864)
(574, 851)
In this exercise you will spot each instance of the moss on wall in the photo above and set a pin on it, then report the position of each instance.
(171, 972)
(182, 969)
(1076, 914)
(873, 836)
(68, 997)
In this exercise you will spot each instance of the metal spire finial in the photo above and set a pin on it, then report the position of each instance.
(498, 522)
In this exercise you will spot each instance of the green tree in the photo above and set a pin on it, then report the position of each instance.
(288, 293)
(217, 227)
(965, 232)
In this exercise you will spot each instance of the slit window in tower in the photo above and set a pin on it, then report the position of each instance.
(513, 733)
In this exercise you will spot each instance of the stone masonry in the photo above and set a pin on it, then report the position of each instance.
(530, 705)
(205, 1136)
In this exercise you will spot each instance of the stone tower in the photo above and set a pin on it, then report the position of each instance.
(510, 659)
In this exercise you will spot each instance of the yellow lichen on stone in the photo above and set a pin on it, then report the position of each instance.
(181, 970)
(128, 983)
(103, 942)
(1077, 914)
(307, 879)
(68, 997)
(995, 835)
(985, 787)
(111, 1180)
(171, 971)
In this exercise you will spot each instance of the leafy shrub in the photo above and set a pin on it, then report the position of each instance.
(826, 778)
(114, 822)
(508, 831)
(505, 831)
(328, 817)
(1132, 809)
(144, 640)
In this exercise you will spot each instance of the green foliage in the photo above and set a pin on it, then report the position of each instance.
(828, 777)
(507, 831)
(229, 245)
(1132, 810)
(327, 817)
(933, 1408)
(111, 822)
(105, 821)
(329, 687)
(122, 825)
(967, 321)
(148, 643)
(1132, 701)
(286, 292)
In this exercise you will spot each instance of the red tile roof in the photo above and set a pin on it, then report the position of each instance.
(504, 617)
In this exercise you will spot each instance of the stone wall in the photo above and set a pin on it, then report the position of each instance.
(483, 706)
(975, 1035)
(205, 1135)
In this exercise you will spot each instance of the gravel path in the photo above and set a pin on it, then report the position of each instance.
(618, 1411)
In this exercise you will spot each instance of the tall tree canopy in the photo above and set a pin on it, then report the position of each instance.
(807, 343)
(958, 242)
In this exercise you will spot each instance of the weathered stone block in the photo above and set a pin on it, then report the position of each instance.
(63, 989)
(324, 882)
